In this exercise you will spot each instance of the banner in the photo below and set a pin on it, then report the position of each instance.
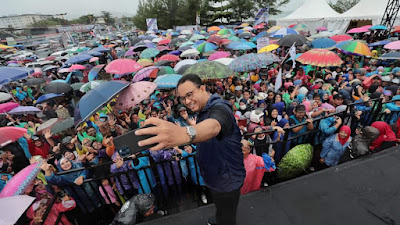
(278, 81)
(262, 16)
(151, 24)
(262, 42)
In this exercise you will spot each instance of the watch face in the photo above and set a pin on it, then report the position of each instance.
(192, 131)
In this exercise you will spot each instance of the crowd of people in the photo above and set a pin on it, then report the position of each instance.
(271, 123)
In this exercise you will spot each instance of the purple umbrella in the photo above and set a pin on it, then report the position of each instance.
(22, 110)
(175, 52)
(130, 53)
(143, 73)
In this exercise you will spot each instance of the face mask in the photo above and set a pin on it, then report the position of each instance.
(261, 138)
(242, 107)
(102, 119)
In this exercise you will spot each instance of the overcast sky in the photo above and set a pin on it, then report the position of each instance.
(76, 8)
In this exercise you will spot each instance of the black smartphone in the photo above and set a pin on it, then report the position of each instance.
(130, 141)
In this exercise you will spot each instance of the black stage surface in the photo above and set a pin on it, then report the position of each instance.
(362, 192)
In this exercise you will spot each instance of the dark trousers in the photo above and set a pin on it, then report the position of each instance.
(226, 204)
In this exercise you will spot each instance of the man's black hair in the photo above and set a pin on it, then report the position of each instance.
(192, 78)
(291, 89)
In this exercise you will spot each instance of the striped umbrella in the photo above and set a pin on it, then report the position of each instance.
(355, 47)
(301, 27)
(273, 29)
(320, 57)
(206, 47)
(283, 32)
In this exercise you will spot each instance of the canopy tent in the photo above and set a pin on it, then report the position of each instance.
(313, 13)
(366, 12)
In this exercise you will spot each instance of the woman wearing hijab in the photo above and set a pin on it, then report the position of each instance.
(334, 147)
(273, 117)
(279, 105)
(387, 138)
(280, 151)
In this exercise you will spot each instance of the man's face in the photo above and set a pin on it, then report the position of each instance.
(153, 114)
(246, 95)
(135, 118)
(69, 155)
(91, 132)
(97, 145)
(238, 93)
(245, 148)
(38, 143)
(191, 96)
(338, 101)
(300, 115)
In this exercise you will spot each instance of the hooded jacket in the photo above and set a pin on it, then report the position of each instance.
(361, 142)
(221, 160)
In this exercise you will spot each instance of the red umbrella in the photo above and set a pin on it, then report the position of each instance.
(123, 66)
(10, 134)
(172, 58)
(5, 107)
(164, 42)
(50, 58)
(342, 37)
(76, 67)
(214, 39)
(225, 42)
(260, 26)
(293, 25)
(320, 57)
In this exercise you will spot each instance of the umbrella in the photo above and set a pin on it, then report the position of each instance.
(76, 67)
(101, 49)
(57, 88)
(269, 57)
(77, 86)
(225, 31)
(5, 107)
(190, 53)
(47, 97)
(10, 74)
(187, 43)
(218, 55)
(5, 97)
(379, 43)
(177, 41)
(145, 62)
(134, 94)
(378, 27)
(10, 134)
(238, 46)
(295, 57)
(250, 44)
(225, 61)
(130, 52)
(197, 37)
(233, 38)
(184, 48)
(164, 42)
(163, 63)
(94, 59)
(210, 70)
(175, 52)
(245, 35)
(13, 65)
(289, 40)
(171, 58)
(95, 71)
(90, 85)
(186, 32)
(49, 67)
(22, 110)
(162, 70)
(395, 45)
(206, 47)
(149, 53)
(156, 40)
(96, 99)
(34, 81)
(248, 62)
(340, 38)
(62, 125)
(64, 70)
(213, 28)
(322, 29)
(11, 208)
(248, 28)
(268, 48)
(167, 81)
(214, 39)
(295, 161)
(355, 47)
(144, 73)
(283, 32)
(78, 59)
(122, 66)
(273, 29)
(320, 57)
(183, 63)
(390, 55)
(20, 181)
(362, 29)
(323, 43)
(92, 53)
(47, 125)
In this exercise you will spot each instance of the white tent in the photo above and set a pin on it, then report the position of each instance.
(312, 13)
(366, 12)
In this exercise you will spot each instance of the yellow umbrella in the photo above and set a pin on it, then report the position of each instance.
(273, 29)
(145, 62)
(4, 46)
(269, 48)
(245, 25)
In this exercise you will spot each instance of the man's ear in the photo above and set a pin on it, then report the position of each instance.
(203, 87)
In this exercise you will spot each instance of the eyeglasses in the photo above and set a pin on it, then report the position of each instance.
(189, 95)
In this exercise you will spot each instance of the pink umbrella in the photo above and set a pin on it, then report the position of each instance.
(395, 45)
(123, 66)
(5, 107)
(322, 29)
(218, 55)
(134, 94)
(64, 70)
(164, 42)
(143, 73)
(362, 29)
(76, 67)
(21, 181)
(94, 59)
(10, 134)
(162, 48)
(37, 72)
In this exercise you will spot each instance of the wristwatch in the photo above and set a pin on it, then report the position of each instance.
(191, 131)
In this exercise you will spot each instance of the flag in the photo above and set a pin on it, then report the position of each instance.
(278, 81)
(292, 53)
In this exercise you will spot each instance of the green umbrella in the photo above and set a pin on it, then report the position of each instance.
(234, 38)
(149, 53)
(77, 86)
(63, 125)
(295, 161)
(165, 70)
(197, 37)
(210, 70)
(188, 43)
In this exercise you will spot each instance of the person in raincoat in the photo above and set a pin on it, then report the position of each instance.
(20, 94)
(386, 139)
(334, 147)
(146, 176)
(135, 210)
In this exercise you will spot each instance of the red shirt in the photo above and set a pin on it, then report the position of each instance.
(42, 151)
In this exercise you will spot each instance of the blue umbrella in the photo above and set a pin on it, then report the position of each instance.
(184, 48)
(259, 35)
(167, 81)
(379, 43)
(94, 100)
(94, 71)
(390, 55)
(13, 65)
(149, 53)
(378, 27)
(283, 32)
(47, 97)
(92, 53)
(175, 52)
(251, 44)
(239, 31)
(239, 46)
(78, 58)
(101, 49)
(10, 74)
(323, 43)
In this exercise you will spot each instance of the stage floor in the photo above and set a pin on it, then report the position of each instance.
(361, 192)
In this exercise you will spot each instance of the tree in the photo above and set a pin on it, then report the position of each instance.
(107, 17)
(241, 9)
(342, 6)
(273, 5)
(85, 19)
(49, 22)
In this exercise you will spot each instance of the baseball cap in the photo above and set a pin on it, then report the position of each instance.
(238, 88)
(35, 138)
(182, 108)
(338, 96)
(300, 108)
(66, 140)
